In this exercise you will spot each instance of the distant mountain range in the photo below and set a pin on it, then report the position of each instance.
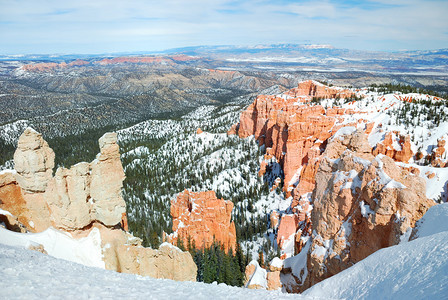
(290, 57)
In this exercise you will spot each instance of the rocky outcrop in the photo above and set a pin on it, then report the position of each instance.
(395, 146)
(123, 252)
(295, 132)
(348, 199)
(107, 177)
(287, 229)
(311, 88)
(362, 203)
(74, 197)
(33, 161)
(202, 219)
(81, 199)
(258, 278)
(438, 156)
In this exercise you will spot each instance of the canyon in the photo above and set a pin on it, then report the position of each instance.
(350, 194)
(316, 178)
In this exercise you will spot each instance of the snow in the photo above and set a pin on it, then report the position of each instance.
(365, 209)
(5, 212)
(298, 263)
(344, 131)
(414, 270)
(288, 245)
(276, 262)
(435, 187)
(29, 274)
(434, 221)
(259, 276)
(86, 251)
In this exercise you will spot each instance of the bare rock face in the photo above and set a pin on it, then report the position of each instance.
(311, 88)
(348, 200)
(259, 278)
(273, 280)
(361, 203)
(30, 209)
(34, 161)
(68, 197)
(274, 218)
(89, 192)
(201, 218)
(123, 253)
(438, 156)
(79, 199)
(287, 229)
(296, 133)
(396, 147)
(107, 177)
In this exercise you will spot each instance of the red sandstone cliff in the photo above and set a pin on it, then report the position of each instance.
(202, 218)
(350, 217)
(292, 130)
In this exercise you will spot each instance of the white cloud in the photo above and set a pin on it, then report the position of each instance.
(57, 25)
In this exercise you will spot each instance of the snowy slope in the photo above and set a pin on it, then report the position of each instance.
(414, 270)
(434, 221)
(27, 274)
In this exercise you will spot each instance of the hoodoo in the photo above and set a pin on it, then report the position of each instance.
(202, 219)
(79, 203)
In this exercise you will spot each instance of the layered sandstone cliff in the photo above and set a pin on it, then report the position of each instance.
(349, 197)
(81, 199)
(200, 219)
(362, 203)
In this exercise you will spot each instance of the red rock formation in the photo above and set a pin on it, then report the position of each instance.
(361, 204)
(436, 157)
(295, 132)
(396, 147)
(12, 200)
(274, 218)
(202, 218)
(287, 229)
(313, 88)
(233, 130)
(44, 67)
(361, 198)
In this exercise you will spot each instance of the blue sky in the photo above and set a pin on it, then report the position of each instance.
(99, 26)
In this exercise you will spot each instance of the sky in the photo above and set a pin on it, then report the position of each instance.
(107, 26)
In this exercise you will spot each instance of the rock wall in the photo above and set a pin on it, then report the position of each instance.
(201, 218)
(79, 199)
(362, 203)
(74, 197)
(348, 199)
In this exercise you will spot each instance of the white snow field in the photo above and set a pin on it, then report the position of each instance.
(410, 270)
(27, 274)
